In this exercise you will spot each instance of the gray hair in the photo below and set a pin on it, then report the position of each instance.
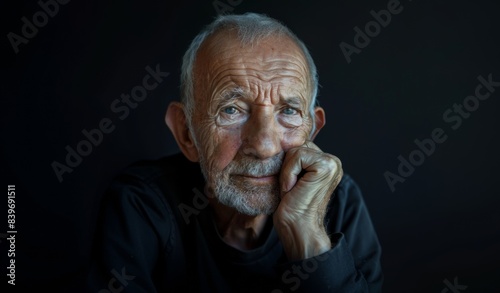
(251, 27)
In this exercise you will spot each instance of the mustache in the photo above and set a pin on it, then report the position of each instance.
(256, 168)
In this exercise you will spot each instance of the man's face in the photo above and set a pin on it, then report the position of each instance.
(251, 106)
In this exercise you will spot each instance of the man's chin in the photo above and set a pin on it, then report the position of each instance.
(250, 211)
(251, 204)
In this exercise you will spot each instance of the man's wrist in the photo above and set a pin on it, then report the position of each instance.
(302, 242)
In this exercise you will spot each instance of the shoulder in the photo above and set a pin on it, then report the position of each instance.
(153, 184)
(348, 189)
(147, 193)
(346, 202)
(348, 194)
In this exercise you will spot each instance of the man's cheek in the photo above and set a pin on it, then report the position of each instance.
(293, 138)
(207, 141)
(225, 151)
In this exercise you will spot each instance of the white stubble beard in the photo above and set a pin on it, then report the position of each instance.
(246, 198)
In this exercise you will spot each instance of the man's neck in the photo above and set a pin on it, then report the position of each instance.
(238, 230)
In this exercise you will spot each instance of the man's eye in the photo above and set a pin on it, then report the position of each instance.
(289, 111)
(230, 110)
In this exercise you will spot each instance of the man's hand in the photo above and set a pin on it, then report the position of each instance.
(307, 179)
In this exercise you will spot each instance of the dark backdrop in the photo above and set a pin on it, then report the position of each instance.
(438, 227)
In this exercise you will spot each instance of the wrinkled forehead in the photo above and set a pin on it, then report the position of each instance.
(224, 54)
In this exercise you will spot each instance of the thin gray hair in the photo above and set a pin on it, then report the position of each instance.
(251, 27)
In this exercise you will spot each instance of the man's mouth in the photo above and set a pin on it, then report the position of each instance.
(258, 178)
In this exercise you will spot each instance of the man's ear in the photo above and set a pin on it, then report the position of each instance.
(319, 120)
(175, 118)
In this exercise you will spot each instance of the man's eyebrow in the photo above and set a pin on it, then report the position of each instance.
(232, 94)
(294, 101)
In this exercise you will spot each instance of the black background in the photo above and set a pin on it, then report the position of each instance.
(440, 224)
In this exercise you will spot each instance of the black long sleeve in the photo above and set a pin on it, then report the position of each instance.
(145, 244)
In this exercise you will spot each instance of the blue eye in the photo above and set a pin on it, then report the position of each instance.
(289, 111)
(230, 110)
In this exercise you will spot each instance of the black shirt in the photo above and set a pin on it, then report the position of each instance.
(156, 234)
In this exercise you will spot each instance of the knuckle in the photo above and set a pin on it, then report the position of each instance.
(333, 162)
(333, 166)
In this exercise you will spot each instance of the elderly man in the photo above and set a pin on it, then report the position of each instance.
(251, 204)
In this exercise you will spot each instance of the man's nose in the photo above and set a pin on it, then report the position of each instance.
(262, 136)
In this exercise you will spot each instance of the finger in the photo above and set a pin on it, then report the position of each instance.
(296, 160)
(311, 145)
